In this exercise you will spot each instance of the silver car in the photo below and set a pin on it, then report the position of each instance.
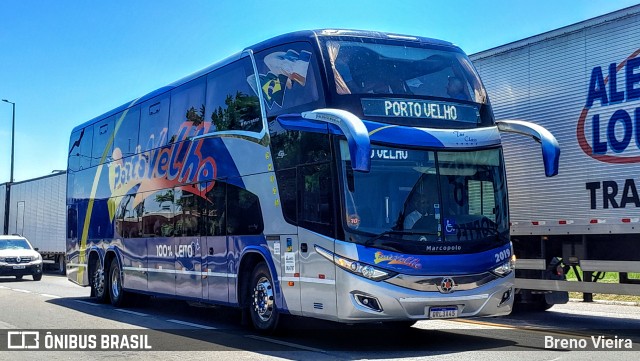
(18, 258)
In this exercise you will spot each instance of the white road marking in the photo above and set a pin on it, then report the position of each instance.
(192, 324)
(48, 295)
(87, 303)
(19, 290)
(132, 312)
(284, 343)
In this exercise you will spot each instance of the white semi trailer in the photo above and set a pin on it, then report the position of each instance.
(37, 211)
(582, 83)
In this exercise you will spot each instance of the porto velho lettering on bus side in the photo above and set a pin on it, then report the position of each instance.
(181, 162)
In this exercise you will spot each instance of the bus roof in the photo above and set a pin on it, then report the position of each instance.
(304, 35)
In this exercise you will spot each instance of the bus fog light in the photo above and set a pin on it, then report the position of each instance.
(369, 302)
(506, 296)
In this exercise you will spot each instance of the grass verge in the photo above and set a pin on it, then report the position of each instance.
(609, 277)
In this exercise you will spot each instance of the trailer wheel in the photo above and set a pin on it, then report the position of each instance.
(264, 314)
(117, 294)
(62, 265)
(98, 289)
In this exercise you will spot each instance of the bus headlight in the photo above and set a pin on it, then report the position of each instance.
(505, 268)
(355, 267)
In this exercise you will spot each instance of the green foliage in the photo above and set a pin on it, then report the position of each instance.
(239, 109)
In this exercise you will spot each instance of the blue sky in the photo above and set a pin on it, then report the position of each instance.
(64, 62)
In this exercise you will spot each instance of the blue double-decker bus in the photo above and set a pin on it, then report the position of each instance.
(343, 175)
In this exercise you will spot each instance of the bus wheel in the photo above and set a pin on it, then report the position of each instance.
(97, 283)
(116, 293)
(263, 307)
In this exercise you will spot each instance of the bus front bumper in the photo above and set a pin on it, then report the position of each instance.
(363, 300)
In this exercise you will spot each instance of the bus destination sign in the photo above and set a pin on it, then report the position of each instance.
(403, 108)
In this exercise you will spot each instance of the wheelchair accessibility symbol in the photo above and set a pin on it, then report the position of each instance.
(449, 226)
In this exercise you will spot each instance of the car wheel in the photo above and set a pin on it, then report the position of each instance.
(37, 276)
(19, 277)
(98, 282)
(116, 293)
(264, 314)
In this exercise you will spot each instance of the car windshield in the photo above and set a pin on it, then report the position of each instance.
(451, 201)
(374, 68)
(14, 244)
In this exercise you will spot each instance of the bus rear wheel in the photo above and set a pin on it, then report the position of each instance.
(116, 293)
(98, 289)
(264, 314)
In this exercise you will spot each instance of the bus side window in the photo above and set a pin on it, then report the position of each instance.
(80, 149)
(154, 122)
(187, 110)
(232, 103)
(243, 215)
(288, 76)
(126, 139)
(129, 216)
(157, 218)
(288, 196)
(316, 198)
(213, 222)
(102, 133)
(187, 213)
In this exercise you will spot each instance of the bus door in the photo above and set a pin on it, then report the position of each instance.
(214, 244)
(316, 220)
(188, 248)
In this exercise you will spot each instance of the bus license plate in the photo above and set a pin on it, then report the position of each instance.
(443, 312)
(18, 267)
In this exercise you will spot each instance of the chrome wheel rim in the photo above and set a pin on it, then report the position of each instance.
(98, 281)
(115, 283)
(263, 299)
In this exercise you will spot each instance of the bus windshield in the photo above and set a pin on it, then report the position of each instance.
(374, 68)
(421, 201)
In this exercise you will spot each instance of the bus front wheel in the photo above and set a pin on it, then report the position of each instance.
(264, 314)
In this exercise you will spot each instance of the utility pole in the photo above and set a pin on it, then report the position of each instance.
(8, 189)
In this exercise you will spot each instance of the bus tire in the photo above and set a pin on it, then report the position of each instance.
(98, 283)
(264, 313)
(116, 293)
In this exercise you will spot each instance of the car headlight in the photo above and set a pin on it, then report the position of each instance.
(38, 257)
(506, 268)
(355, 267)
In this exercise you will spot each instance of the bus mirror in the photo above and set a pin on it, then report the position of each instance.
(355, 131)
(549, 144)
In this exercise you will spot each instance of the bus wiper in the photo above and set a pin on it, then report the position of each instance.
(370, 241)
(483, 231)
